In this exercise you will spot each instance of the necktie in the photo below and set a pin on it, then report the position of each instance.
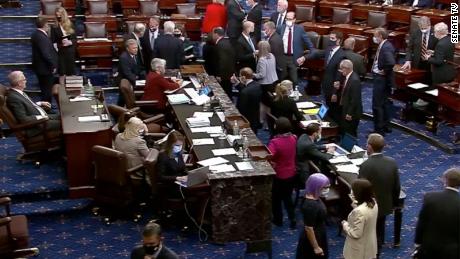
(134, 58)
(251, 44)
(329, 56)
(289, 50)
(424, 47)
(280, 19)
(152, 40)
(39, 109)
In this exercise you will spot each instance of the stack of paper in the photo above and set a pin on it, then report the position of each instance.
(209, 130)
(433, 92)
(200, 100)
(203, 114)
(348, 168)
(306, 123)
(203, 141)
(311, 111)
(358, 161)
(356, 149)
(140, 82)
(305, 105)
(213, 161)
(196, 122)
(417, 86)
(244, 166)
(191, 92)
(80, 99)
(222, 168)
(178, 99)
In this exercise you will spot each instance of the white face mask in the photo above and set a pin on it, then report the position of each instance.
(375, 40)
(325, 191)
(319, 138)
(424, 31)
(289, 23)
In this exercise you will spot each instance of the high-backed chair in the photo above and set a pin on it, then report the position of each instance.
(341, 15)
(361, 45)
(45, 140)
(130, 26)
(14, 234)
(188, 9)
(98, 7)
(155, 124)
(314, 37)
(49, 7)
(304, 13)
(126, 89)
(148, 7)
(95, 30)
(377, 19)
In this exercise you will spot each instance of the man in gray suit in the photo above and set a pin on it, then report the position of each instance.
(26, 110)
(276, 47)
(355, 58)
(383, 173)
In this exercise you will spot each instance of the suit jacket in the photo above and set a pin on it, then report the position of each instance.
(300, 40)
(382, 172)
(235, 17)
(361, 230)
(135, 149)
(165, 253)
(274, 18)
(128, 68)
(387, 59)
(140, 48)
(414, 47)
(331, 70)
(147, 50)
(170, 49)
(168, 168)
(255, 16)
(443, 72)
(308, 150)
(225, 60)
(277, 49)
(286, 107)
(44, 56)
(350, 98)
(248, 102)
(245, 54)
(155, 86)
(423, 3)
(438, 226)
(357, 60)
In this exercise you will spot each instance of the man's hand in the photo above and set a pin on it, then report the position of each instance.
(44, 104)
(318, 251)
(334, 98)
(301, 60)
(330, 149)
(406, 66)
(348, 117)
(337, 85)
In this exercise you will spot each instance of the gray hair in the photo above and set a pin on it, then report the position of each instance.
(139, 28)
(152, 229)
(349, 43)
(452, 177)
(283, 2)
(424, 20)
(247, 24)
(441, 28)
(157, 63)
(130, 42)
(346, 63)
(169, 27)
(271, 25)
(264, 48)
(15, 77)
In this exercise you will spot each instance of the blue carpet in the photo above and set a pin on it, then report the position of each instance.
(16, 27)
(18, 52)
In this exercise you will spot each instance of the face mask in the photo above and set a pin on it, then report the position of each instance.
(150, 250)
(332, 43)
(141, 132)
(324, 192)
(59, 19)
(424, 31)
(177, 149)
(153, 29)
(289, 23)
(375, 40)
(177, 35)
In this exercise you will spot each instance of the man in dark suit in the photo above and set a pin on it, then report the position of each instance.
(224, 59)
(350, 99)
(438, 228)
(294, 39)
(420, 41)
(422, 3)
(279, 17)
(355, 58)
(44, 59)
(137, 34)
(442, 72)
(129, 67)
(153, 246)
(246, 48)
(235, 18)
(26, 110)
(383, 173)
(148, 41)
(382, 70)
(276, 47)
(255, 16)
(249, 97)
(169, 48)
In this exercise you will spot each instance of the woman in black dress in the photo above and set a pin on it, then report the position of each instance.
(284, 106)
(65, 40)
(313, 238)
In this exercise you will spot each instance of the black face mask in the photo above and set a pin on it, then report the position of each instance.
(59, 19)
(150, 250)
(177, 35)
(332, 43)
(153, 30)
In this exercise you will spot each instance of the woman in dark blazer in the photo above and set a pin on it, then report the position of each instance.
(64, 38)
(170, 165)
(284, 106)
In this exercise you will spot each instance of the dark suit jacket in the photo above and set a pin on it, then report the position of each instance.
(139, 55)
(274, 18)
(351, 97)
(308, 150)
(443, 72)
(225, 59)
(387, 59)
(165, 253)
(357, 60)
(300, 41)
(414, 47)
(423, 3)
(128, 68)
(382, 172)
(255, 16)
(235, 17)
(168, 168)
(44, 56)
(438, 226)
(331, 70)
(147, 51)
(286, 107)
(277, 49)
(170, 49)
(248, 102)
(245, 54)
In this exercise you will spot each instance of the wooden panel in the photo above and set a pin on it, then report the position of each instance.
(435, 15)
(110, 21)
(360, 11)
(94, 49)
(293, 3)
(320, 28)
(170, 4)
(347, 29)
(400, 14)
(130, 4)
(325, 7)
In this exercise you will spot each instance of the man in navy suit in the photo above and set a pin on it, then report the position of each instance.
(148, 41)
(44, 59)
(153, 246)
(350, 99)
(294, 39)
(129, 67)
(169, 48)
(279, 17)
(382, 70)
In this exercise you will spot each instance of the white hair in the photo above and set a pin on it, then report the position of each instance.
(15, 77)
(346, 63)
(139, 28)
(157, 63)
(130, 42)
(169, 27)
(441, 28)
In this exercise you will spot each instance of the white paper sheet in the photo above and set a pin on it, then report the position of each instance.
(339, 159)
(200, 100)
(417, 86)
(224, 151)
(305, 105)
(356, 149)
(178, 99)
(210, 130)
(203, 114)
(192, 93)
(140, 82)
(213, 161)
(244, 166)
(348, 168)
(89, 118)
(306, 123)
(79, 99)
(222, 168)
(221, 116)
(203, 141)
(358, 161)
(433, 92)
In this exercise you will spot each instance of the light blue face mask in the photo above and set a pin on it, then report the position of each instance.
(177, 149)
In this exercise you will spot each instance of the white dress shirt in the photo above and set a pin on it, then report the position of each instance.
(375, 65)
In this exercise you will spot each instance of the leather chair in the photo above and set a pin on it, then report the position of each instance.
(304, 13)
(49, 7)
(44, 141)
(324, 41)
(377, 19)
(154, 124)
(314, 38)
(341, 16)
(148, 8)
(129, 95)
(98, 7)
(188, 9)
(361, 45)
(95, 30)
(14, 234)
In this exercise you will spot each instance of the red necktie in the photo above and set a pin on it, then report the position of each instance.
(289, 50)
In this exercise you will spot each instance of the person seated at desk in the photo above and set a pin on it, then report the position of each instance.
(152, 245)
(284, 106)
(156, 84)
(282, 146)
(309, 150)
(26, 110)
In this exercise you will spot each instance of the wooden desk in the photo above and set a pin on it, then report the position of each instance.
(100, 50)
(79, 138)
(347, 29)
(325, 7)
(360, 11)
(406, 77)
(293, 3)
(400, 14)
(435, 15)
(169, 6)
(320, 28)
(449, 98)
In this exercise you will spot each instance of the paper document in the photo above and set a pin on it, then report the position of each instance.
(417, 86)
(209, 130)
(433, 92)
(184, 83)
(244, 166)
(339, 159)
(178, 99)
(92, 118)
(80, 99)
(222, 168)
(194, 122)
(356, 149)
(306, 123)
(213, 161)
(99, 106)
(312, 111)
(203, 114)
(221, 116)
(203, 141)
(195, 82)
(140, 82)
(223, 151)
(348, 168)
(191, 92)
(305, 105)
(200, 100)
(358, 161)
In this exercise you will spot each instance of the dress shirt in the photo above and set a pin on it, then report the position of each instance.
(153, 36)
(285, 39)
(42, 112)
(452, 189)
(415, 3)
(249, 40)
(375, 65)
(344, 86)
(376, 154)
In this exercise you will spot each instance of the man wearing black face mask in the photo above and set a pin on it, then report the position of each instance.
(153, 246)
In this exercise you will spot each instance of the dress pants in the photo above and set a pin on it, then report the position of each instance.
(380, 232)
(290, 70)
(350, 127)
(282, 193)
(46, 83)
(381, 105)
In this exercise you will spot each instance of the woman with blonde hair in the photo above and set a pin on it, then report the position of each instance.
(64, 38)
(284, 106)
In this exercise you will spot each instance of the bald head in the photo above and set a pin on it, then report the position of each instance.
(248, 27)
(349, 43)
